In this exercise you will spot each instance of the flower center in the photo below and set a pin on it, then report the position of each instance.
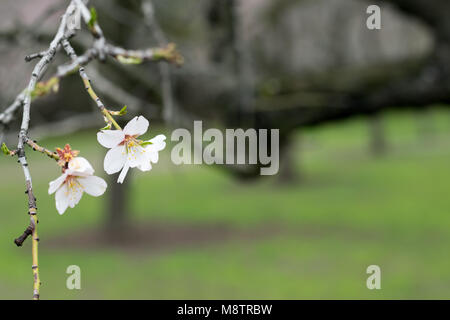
(133, 146)
(72, 183)
(130, 142)
(66, 155)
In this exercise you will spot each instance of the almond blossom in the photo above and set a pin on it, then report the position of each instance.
(126, 151)
(77, 178)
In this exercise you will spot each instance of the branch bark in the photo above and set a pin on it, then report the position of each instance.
(100, 50)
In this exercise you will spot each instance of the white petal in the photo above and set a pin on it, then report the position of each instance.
(93, 185)
(55, 184)
(110, 138)
(136, 156)
(115, 159)
(145, 166)
(158, 143)
(152, 156)
(79, 166)
(123, 173)
(62, 199)
(75, 191)
(136, 127)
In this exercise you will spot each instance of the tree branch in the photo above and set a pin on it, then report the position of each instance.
(32, 208)
(100, 50)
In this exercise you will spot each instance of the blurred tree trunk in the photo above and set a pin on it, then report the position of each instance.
(117, 214)
(377, 135)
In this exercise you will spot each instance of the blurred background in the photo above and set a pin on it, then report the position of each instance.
(364, 174)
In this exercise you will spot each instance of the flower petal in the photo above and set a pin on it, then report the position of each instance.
(145, 166)
(75, 191)
(110, 138)
(157, 145)
(136, 156)
(152, 156)
(55, 184)
(158, 142)
(93, 185)
(136, 127)
(79, 166)
(123, 173)
(115, 159)
(62, 199)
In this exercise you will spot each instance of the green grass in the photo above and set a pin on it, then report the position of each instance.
(350, 211)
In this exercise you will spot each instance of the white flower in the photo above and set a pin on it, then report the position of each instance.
(76, 179)
(127, 151)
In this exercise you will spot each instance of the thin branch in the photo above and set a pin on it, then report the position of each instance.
(32, 208)
(72, 66)
(33, 56)
(33, 144)
(20, 240)
(87, 84)
(167, 53)
(100, 50)
(118, 94)
(7, 116)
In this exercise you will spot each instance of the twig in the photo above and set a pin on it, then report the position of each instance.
(36, 89)
(20, 240)
(168, 54)
(118, 94)
(7, 115)
(32, 208)
(33, 56)
(33, 144)
(87, 84)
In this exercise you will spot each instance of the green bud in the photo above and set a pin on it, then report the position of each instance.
(129, 60)
(93, 19)
(108, 127)
(5, 149)
(123, 111)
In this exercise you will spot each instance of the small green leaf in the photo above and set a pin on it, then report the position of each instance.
(145, 143)
(93, 19)
(129, 60)
(108, 127)
(5, 149)
(123, 111)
